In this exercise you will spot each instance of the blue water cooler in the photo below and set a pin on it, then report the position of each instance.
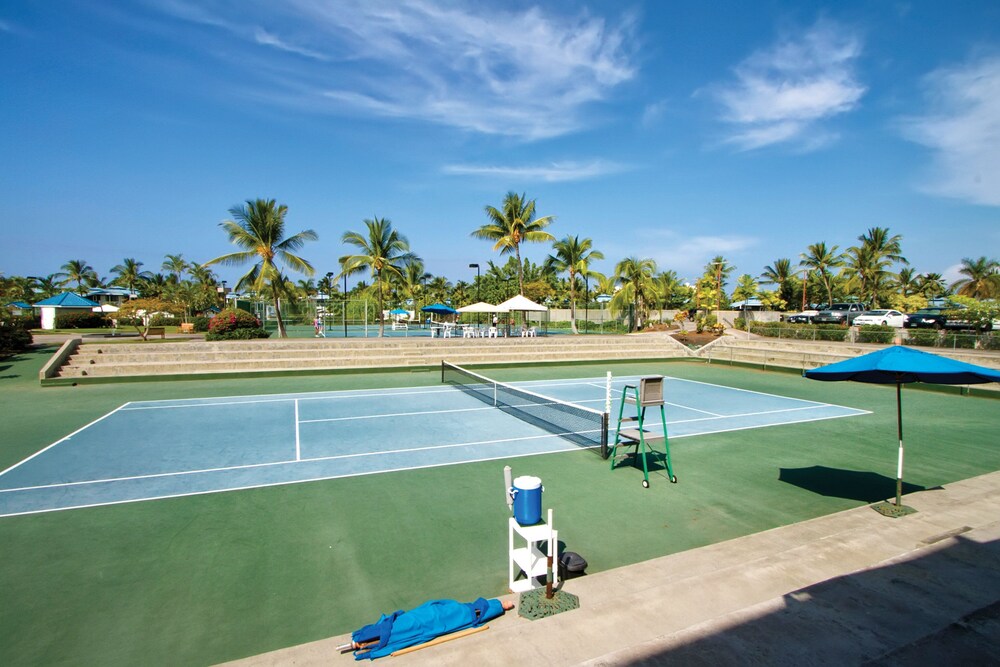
(527, 493)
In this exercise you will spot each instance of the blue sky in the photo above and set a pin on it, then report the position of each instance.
(671, 130)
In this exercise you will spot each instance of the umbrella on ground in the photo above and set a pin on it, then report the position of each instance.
(898, 365)
(439, 309)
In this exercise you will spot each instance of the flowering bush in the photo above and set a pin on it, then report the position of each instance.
(235, 324)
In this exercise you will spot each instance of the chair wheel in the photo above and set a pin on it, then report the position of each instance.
(645, 483)
(673, 479)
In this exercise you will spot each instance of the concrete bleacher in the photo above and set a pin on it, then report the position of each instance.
(80, 361)
(803, 355)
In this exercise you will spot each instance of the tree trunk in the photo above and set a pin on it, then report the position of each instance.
(381, 320)
(572, 302)
(277, 313)
(520, 270)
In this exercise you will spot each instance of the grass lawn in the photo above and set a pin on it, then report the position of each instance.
(204, 579)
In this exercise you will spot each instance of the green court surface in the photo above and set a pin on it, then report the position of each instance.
(208, 578)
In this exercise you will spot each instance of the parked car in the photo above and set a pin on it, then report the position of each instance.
(840, 313)
(805, 317)
(932, 317)
(891, 318)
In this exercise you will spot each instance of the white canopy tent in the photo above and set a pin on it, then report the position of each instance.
(481, 307)
(522, 304)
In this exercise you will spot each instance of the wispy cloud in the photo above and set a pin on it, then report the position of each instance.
(781, 94)
(962, 127)
(267, 39)
(687, 255)
(529, 74)
(552, 173)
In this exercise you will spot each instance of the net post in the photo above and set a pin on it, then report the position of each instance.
(607, 395)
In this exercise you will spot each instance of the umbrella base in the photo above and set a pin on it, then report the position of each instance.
(885, 508)
(534, 605)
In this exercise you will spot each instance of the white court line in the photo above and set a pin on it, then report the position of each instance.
(298, 444)
(751, 427)
(395, 414)
(63, 439)
(314, 459)
(759, 393)
(687, 407)
(270, 484)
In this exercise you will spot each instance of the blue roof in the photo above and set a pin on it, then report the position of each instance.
(67, 300)
(19, 304)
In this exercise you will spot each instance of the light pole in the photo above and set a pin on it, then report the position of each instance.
(345, 304)
(718, 291)
(586, 303)
(805, 277)
(222, 293)
(329, 298)
(478, 275)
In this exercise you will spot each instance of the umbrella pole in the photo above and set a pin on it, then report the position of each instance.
(899, 431)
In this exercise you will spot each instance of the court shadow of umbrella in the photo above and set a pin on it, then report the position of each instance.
(900, 365)
(861, 485)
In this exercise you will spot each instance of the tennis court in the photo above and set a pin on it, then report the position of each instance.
(147, 450)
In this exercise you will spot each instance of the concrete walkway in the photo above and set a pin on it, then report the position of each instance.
(847, 589)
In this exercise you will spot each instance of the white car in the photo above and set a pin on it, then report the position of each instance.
(892, 318)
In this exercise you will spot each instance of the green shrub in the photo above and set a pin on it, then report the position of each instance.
(129, 321)
(14, 336)
(990, 342)
(831, 332)
(162, 320)
(81, 320)
(961, 341)
(876, 333)
(200, 323)
(235, 324)
(922, 337)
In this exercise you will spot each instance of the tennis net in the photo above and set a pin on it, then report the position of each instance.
(580, 425)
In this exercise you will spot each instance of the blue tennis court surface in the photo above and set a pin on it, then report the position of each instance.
(163, 449)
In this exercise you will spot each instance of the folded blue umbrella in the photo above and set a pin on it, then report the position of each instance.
(421, 624)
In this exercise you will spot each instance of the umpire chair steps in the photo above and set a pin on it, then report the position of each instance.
(648, 393)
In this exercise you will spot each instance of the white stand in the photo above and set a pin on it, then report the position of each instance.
(529, 559)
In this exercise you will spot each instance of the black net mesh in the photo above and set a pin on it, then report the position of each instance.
(578, 424)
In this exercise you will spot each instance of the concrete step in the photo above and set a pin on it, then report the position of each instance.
(282, 356)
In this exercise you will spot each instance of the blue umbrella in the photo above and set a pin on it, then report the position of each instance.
(398, 311)
(898, 365)
(439, 309)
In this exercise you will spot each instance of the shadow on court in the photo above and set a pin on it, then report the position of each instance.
(940, 608)
(868, 487)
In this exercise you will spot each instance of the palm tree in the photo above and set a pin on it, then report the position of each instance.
(746, 288)
(384, 250)
(907, 282)
(780, 273)
(514, 225)
(821, 260)
(259, 228)
(129, 274)
(982, 278)
(175, 266)
(637, 286)
(76, 271)
(932, 285)
(573, 256)
(413, 281)
(668, 285)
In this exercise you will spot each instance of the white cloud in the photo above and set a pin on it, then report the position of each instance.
(782, 93)
(555, 172)
(687, 255)
(267, 39)
(529, 74)
(962, 128)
